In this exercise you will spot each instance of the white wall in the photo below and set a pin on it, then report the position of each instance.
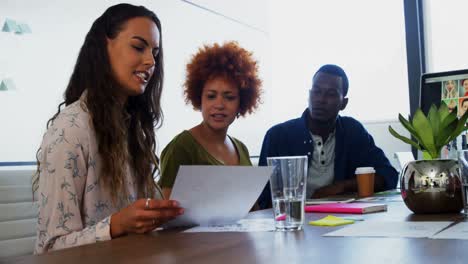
(40, 63)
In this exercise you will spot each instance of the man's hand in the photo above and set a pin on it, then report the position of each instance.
(347, 186)
(329, 190)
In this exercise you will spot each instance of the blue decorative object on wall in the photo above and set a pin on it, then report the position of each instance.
(10, 26)
(7, 85)
(24, 28)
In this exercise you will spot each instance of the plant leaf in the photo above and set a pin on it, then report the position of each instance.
(460, 126)
(403, 138)
(451, 117)
(433, 132)
(434, 120)
(424, 130)
(444, 136)
(408, 127)
(443, 111)
(447, 126)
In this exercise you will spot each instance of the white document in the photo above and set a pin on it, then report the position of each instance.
(217, 195)
(458, 231)
(244, 225)
(390, 229)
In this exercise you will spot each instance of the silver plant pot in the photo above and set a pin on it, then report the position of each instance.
(432, 186)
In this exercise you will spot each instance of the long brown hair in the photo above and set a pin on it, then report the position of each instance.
(124, 134)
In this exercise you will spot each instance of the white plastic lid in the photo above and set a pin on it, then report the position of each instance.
(364, 170)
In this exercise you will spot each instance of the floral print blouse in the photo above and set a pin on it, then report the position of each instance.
(74, 209)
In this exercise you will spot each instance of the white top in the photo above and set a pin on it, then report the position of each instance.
(74, 209)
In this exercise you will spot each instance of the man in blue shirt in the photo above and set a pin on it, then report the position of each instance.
(335, 145)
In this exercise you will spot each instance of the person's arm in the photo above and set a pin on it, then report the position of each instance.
(346, 186)
(379, 183)
(143, 216)
(173, 155)
(245, 153)
(364, 153)
(63, 175)
(386, 176)
(336, 188)
(62, 181)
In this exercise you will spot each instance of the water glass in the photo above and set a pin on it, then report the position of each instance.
(463, 166)
(288, 191)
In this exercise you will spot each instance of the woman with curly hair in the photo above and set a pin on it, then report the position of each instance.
(222, 82)
(97, 159)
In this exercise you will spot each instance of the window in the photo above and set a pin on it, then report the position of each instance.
(365, 37)
(445, 39)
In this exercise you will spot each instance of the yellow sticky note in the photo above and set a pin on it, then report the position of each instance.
(331, 220)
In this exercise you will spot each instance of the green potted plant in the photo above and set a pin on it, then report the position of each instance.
(433, 132)
(432, 185)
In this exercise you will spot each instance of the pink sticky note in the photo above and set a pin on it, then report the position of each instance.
(281, 217)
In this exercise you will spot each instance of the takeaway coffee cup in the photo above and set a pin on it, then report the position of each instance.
(365, 180)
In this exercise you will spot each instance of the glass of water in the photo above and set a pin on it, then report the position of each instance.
(463, 165)
(288, 191)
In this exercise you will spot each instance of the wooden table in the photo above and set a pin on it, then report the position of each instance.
(307, 246)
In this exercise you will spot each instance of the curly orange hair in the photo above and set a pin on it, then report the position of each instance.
(230, 61)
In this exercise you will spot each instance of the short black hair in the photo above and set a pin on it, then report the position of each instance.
(337, 71)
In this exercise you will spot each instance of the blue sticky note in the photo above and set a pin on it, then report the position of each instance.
(10, 26)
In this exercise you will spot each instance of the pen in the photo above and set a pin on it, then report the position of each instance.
(353, 218)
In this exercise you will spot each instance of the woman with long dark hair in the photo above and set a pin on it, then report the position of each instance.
(97, 159)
